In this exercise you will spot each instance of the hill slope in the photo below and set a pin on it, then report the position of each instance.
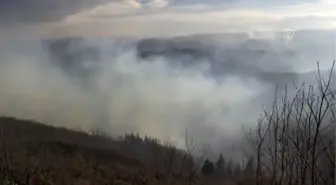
(32, 153)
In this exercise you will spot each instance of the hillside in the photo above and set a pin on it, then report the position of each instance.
(32, 153)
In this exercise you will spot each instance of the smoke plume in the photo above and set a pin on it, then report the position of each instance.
(121, 93)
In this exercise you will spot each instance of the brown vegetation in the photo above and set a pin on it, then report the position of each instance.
(32, 153)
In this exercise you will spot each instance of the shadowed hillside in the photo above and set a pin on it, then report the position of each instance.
(33, 153)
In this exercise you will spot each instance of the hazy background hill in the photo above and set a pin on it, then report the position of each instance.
(264, 56)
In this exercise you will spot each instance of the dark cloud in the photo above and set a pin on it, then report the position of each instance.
(42, 10)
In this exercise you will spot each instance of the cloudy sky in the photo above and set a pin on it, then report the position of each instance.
(163, 17)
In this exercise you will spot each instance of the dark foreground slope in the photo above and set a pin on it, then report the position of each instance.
(32, 153)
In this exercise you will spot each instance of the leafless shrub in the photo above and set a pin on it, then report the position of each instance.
(190, 166)
(294, 142)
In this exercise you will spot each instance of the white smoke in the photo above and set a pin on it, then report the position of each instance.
(126, 94)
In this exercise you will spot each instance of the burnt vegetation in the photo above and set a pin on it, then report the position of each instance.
(293, 144)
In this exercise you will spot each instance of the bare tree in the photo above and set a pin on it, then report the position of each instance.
(193, 150)
(294, 141)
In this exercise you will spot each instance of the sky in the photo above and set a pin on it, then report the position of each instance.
(144, 18)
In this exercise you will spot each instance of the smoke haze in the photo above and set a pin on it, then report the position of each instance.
(110, 78)
(98, 84)
(123, 95)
